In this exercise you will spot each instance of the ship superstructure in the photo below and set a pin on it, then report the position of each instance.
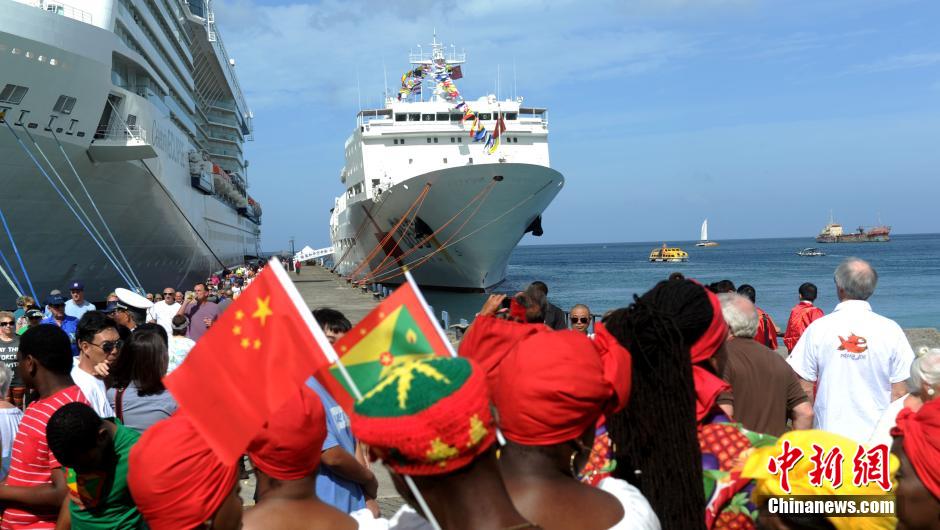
(426, 189)
(122, 146)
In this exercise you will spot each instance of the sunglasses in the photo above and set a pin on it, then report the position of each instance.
(109, 346)
(168, 294)
(6, 324)
(580, 320)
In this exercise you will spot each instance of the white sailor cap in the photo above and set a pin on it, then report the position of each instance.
(127, 299)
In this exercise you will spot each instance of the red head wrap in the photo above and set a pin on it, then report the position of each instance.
(554, 386)
(707, 384)
(921, 432)
(289, 446)
(175, 478)
(490, 339)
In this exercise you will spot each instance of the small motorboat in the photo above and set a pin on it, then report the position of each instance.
(668, 255)
(810, 252)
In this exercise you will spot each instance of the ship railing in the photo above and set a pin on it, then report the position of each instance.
(121, 132)
(63, 9)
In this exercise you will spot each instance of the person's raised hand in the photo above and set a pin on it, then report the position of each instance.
(102, 369)
(492, 304)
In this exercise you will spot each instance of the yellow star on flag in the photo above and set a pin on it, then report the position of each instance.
(440, 452)
(245, 343)
(263, 311)
(237, 330)
(257, 344)
(239, 314)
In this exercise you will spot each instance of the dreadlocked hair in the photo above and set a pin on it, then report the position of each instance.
(655, 437)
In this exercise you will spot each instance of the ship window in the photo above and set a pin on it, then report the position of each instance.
(401, 117)
(375, 182)
(442, 116)
(64, 104)
(511, 115)
(427, 117)
(402, 141)
(13, 94)
(435, 139)
(429, 140)
(456, 117)
(486, 116)
(410, 160)
(395, 141)
(414, 116)
(445, 160)
(460, 139)
(453, 140)
(471, 159)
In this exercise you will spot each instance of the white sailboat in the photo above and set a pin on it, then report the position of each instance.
(704, 242)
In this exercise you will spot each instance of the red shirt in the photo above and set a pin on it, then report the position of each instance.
(766, 330)
(32, 461)
(801, 316)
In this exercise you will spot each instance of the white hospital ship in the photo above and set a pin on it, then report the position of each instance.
(121, 147)
(421, 193)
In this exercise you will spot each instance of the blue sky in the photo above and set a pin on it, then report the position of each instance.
(760, 115)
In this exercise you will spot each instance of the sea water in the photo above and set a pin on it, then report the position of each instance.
(606, 276)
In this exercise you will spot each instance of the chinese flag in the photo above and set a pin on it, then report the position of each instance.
(249, 362)
(397, 331)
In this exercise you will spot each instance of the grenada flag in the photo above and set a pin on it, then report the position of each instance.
(399, 330)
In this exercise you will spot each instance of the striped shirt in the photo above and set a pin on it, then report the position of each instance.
(32, 461)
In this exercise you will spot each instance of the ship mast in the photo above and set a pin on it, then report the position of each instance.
(437, 58)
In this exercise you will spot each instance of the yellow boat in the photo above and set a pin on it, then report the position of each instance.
(668, 254)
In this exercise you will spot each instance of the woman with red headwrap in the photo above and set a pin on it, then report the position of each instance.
(550, 388)
(286, 455)
(179, 483)
(671, 332)
(917, 483)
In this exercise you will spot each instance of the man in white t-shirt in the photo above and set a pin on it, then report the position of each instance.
(857, 359)
(163, 311)
(77, 306)
(98, 345)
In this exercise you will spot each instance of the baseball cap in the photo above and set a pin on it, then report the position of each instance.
(55, 299)
(76, 286)
(34, 313)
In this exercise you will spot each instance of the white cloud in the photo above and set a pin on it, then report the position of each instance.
(898, 62)
(311, 53)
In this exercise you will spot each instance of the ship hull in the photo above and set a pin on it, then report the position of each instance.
(471, 247)
(171, 234)
(853, 238)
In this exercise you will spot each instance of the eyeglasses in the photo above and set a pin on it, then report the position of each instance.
(169, 294)
(580, 320)
(109, 346)
(6, 324)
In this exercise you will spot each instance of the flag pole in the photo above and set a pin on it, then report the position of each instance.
(312, 323)
(421, 502)
(427, 309)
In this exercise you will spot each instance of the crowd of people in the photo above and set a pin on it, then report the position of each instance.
(674, 412)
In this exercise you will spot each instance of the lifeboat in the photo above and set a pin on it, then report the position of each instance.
(668, 255)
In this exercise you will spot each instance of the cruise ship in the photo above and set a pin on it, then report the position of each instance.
(441, 185)
(121, 147)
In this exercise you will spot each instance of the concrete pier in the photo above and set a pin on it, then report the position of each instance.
(321, 288)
